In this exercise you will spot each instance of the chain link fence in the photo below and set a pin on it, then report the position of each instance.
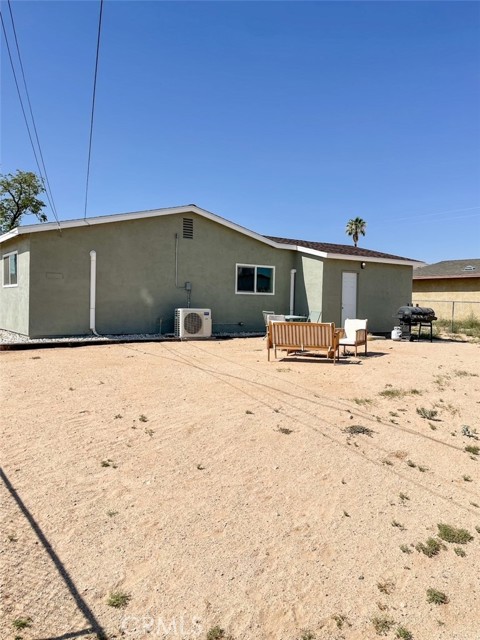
(453, 311)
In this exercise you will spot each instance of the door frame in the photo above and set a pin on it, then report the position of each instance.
(342, 316)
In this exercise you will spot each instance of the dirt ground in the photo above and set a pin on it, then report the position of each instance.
(214, 489)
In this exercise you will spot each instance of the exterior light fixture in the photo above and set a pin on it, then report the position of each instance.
(363, 265)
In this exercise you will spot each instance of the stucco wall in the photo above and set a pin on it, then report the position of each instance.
(136, 276)
(381, 290)
(457, 297)
(14, 301)
(309, 284)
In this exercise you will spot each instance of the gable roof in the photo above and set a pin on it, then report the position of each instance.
(321, 249)
(468, 268)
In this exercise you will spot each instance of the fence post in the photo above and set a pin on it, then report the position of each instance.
(453, 315)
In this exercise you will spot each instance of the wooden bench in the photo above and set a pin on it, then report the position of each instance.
(303, 336)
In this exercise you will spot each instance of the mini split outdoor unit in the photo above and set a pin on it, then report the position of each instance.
(193, 323)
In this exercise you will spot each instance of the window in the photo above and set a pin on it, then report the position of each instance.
(10, 270)
(255, 279)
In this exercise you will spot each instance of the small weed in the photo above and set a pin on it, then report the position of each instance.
(118, 416)
(216, 633)
(394, 414)
(35, 358)
(403, 497)
(451, 534)
(403, 634)
(108, 463)
(432, 426)
(200, 467)
(22, 623)
(464, 374)
(477, 529)
(307, 635)
(118, 599)
(388, 462)
(363, 401)
(249, 413)
(111, 513)
(467, 478)
(12, 537)
(149, 432)
(436, 597)
(411, 464)
(460, 552)
(397, 524)
(284, 430)
(357, 429)
(474, 504)
(340, 619)
(392, 393)
(428, 414)
(346, 514)
(430, 548)
(404, 548)
(143, 418)
(473, 449)
(387, 587)
(382, 625)
(422, 469)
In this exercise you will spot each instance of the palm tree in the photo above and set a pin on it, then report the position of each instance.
(355, 228)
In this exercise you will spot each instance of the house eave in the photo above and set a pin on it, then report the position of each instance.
(352, 258)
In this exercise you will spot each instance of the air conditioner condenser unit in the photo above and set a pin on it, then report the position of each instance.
(193, 323)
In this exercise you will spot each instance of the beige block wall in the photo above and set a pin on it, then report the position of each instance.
(449, 297)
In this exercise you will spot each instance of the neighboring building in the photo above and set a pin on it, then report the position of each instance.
(450, 287)
(149, 263)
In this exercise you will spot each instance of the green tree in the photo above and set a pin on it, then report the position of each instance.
(18, 197)
(356, 228)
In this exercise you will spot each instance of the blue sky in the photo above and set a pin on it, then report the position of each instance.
(289, 118)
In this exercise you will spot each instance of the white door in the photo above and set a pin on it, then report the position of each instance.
(349, 296)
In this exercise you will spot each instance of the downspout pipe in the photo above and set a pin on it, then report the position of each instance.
(292, 291)
(93, 291)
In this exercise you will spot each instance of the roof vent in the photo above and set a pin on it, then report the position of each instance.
(188, 228)
(469, 268)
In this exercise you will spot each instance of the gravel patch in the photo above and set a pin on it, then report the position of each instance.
(11, 338)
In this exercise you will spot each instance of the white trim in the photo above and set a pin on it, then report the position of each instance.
(254, 293)
(340, 256)
(7, 255)
(188, 209)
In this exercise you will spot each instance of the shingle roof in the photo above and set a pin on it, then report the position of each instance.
(449, 269)
(341, 249)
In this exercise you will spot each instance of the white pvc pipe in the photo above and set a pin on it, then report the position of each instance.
(93, 290)
(292, 291)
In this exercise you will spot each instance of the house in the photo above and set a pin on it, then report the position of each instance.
(450, 287)
(127, 273)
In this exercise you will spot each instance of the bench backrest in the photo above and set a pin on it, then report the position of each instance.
(302, 334)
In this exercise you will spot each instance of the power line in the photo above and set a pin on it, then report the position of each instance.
(47, 182)
(25, 116)
(93, 107)
(441, 213)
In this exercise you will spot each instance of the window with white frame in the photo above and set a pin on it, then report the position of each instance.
(258, 279)
(10, 269)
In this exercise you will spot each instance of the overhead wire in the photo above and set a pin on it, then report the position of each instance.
(52, 206)
(46, 181)
(93, 108)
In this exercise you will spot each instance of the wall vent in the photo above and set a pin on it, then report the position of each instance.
(469, 268)
(188, 228)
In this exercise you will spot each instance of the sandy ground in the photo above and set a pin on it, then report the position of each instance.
(231, 495)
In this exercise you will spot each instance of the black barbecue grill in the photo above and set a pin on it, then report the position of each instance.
(411, 316)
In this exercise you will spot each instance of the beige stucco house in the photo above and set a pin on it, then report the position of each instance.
(450, 287)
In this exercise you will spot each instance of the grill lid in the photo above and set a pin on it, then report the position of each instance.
(416, 313)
